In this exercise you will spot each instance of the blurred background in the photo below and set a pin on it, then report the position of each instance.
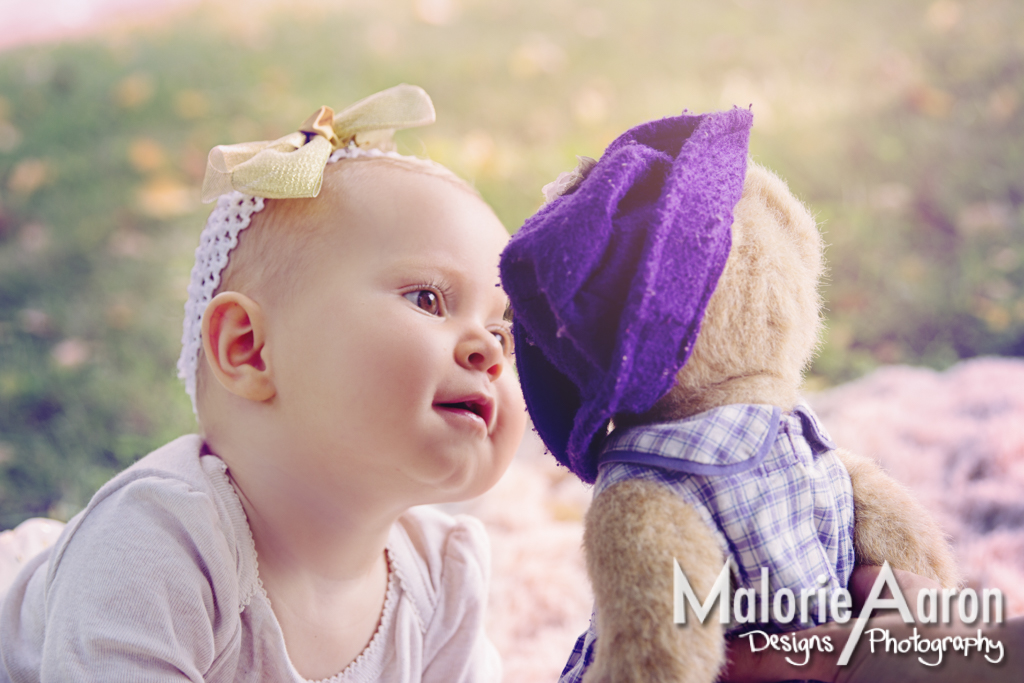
(900, 124)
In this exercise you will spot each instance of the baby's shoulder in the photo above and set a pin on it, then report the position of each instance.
(170, 523)
(173, 490)
(436, 541)
(440, 557)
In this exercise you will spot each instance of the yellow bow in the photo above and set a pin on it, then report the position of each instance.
(293, 166)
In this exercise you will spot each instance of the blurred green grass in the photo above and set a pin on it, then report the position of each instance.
(901, 124)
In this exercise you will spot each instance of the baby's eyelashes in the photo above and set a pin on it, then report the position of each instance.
(504, 336)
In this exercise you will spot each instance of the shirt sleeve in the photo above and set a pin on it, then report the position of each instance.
(140, 592)
(456, 647)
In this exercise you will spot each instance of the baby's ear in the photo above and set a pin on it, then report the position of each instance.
(234, 333)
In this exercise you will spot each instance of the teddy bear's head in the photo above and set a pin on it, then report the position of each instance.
(762, 323)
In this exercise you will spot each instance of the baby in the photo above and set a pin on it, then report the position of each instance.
(349, 362)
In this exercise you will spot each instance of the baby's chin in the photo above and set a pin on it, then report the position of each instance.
(469, 480)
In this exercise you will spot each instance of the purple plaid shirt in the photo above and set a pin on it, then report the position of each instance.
(768, 485)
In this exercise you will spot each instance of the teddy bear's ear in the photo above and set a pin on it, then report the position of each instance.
(767, 200)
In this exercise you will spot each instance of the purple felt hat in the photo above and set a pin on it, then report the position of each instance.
(609, 282)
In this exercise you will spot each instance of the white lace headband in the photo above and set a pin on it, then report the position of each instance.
(240, 176)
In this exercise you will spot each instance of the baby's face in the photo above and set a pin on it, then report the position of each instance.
(393, 362)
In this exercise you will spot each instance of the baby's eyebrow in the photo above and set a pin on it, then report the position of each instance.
(427, 269)
(507, 317)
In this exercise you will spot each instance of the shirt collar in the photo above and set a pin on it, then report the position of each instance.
(725, 440)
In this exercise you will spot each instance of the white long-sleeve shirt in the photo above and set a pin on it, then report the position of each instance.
(157, 580)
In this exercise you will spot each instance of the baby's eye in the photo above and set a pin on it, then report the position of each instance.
(425, 300)
(504, 337)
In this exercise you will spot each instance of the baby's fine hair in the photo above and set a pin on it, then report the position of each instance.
(273, 253)
(250, 245)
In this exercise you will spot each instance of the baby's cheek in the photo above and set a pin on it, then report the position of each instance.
(513, 425)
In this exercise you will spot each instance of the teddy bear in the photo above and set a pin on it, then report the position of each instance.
(665, 306)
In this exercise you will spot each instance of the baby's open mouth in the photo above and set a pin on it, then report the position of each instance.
(481, 407)
(464, 405)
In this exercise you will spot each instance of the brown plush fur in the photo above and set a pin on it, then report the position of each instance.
(633, 530)
(891, 525)
(759, 332)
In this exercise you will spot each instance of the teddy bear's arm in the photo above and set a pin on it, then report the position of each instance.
(633, 530)
(889, 524)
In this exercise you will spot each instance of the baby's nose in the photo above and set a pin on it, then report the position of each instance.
(481, 351)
